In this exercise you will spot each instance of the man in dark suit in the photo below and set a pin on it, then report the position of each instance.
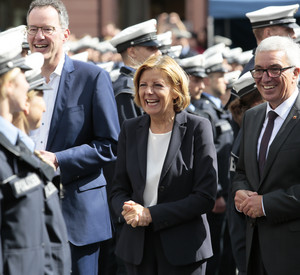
(78, 134)
(266, 185)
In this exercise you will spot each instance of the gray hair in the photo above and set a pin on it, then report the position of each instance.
(56, 4)
(284, 44)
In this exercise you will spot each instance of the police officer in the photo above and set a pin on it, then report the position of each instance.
(29, 232)
(135, 44)
(270, 21)
(210, 102)
(246, 97)
(165, 45)
(194, 67)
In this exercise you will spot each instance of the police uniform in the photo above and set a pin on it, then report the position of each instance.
(237, 221)
(271, 16)
(142, 34)
(194, 66)
(223, 139)
(165, 45)
(124, 92)
(33, 233)
(186, 51)
(267, 17)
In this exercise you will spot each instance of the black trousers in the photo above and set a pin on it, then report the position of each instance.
(256, 265)
(155, 262)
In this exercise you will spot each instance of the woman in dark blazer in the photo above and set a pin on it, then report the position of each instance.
(165, 178)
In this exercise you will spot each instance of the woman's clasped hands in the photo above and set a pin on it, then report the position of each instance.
(135, 214)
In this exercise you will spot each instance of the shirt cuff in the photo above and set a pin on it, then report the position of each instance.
(262, 205)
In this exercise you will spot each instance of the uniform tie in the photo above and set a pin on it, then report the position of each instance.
(265, 141)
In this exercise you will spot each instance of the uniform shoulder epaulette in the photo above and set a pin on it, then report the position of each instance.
(8, 146)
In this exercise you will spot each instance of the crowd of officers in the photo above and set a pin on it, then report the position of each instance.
(221, 90)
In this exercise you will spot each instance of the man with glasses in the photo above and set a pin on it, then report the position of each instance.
(78, 134)
(271, 21)
(267, 182)
(266, 22)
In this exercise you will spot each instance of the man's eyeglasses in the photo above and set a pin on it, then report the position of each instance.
(271, 72)
(46, 30)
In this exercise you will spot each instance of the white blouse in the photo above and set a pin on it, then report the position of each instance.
(156, 153)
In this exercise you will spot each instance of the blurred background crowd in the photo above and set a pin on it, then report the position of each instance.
(211, 45)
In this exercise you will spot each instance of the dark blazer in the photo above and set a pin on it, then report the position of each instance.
(279, 231)
(187, 189)
(83, 135)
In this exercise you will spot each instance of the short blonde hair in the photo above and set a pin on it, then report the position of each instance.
(175, 74)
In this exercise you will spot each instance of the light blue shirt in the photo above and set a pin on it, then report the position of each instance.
(217, 101)
(12, 133)
(9, 130)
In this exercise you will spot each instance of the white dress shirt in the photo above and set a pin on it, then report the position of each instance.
(40, 135)
(282, 110)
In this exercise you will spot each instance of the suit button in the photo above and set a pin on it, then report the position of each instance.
(161, 188)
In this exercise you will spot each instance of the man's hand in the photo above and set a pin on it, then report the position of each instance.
(135, 214)
(49, 157)
(240, 197)
(252, 206)
(248, 202)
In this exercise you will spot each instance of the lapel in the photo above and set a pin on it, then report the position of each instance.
(142, 133)
(287, 126)
(178, 132)
(64, 90)
(256, 118)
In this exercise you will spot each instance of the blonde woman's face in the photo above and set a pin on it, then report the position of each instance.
(156, 95)
(17, 93)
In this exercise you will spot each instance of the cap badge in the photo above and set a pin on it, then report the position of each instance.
(10, 64)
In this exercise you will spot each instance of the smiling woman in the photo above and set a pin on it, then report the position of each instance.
(161, 89)
(156, 97)
(158, 191)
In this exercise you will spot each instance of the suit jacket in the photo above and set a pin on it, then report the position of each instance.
(279, 230)
(83, 134)
(186, 191)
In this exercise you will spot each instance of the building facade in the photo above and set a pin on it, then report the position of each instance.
(90, 16)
